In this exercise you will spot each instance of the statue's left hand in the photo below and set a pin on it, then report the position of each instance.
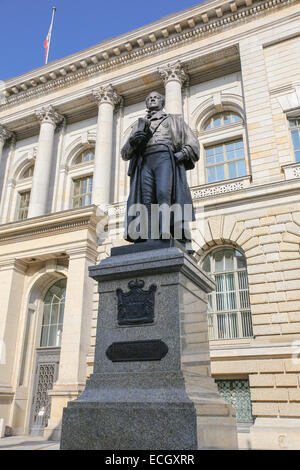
(179, 156)
(138, 138)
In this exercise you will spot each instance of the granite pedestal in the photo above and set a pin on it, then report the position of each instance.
(151, 387)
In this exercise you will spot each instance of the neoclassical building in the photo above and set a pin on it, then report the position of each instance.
(232, 68)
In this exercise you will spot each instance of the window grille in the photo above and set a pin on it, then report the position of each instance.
(229, 314)
(237, 393)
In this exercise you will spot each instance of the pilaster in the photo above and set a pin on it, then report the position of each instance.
(75, 337)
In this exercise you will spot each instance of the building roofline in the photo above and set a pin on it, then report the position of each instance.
(171, 30)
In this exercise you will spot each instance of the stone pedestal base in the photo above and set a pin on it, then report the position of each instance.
(151, 387)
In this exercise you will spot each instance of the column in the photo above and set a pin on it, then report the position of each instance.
(107, 98)
(49, 119)
(174, 76)
(76, 336)
(4, 135)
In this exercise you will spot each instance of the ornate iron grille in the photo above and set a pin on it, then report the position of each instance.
(46, 373)
(237, 392)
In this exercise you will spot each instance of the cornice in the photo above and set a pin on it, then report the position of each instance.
(167, 33)
(64, 221)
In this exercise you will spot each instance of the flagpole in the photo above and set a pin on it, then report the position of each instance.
(50, 33)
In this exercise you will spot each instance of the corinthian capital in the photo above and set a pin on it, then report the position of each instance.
(106, 94)
(173, 72)
(48, 114)
(4, 134)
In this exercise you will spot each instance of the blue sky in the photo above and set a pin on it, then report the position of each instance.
(79, 24)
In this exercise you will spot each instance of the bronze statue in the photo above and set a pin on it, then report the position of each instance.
(161, 148)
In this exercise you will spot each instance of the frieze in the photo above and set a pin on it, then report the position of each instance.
(71, 226)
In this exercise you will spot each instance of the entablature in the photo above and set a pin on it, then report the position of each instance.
(167, 33)
(133, 87)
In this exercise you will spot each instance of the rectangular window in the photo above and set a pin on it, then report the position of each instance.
(24, 199)
(82, 192)
(295, 133)
(225, 161)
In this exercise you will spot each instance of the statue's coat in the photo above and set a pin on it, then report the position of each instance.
(183, 138)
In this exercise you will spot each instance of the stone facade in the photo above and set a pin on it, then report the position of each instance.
(227, 58)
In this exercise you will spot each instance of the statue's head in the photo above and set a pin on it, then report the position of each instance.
(155, 101)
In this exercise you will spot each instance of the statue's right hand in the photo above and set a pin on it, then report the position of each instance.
(137, 138)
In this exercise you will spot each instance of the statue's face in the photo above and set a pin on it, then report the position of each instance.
(155, 101)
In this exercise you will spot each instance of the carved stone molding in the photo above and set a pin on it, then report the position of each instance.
(107, 94)
(4, 134)
(219, 189)
(116, 210)
(48, 114)
(291, 171)
(173, 72)
(296, 172)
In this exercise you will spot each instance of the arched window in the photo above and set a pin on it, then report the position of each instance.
(223, 138)
(295, 133)
(27, 173)
(221, 119)
(53, 315)
(229, 314)
(84, 157)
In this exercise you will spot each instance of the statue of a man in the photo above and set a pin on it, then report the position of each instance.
(161, 148)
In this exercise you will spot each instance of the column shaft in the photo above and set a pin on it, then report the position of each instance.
(107, 98)
(41, 178)
(173, 76)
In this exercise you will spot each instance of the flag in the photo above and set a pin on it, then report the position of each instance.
(48, 38)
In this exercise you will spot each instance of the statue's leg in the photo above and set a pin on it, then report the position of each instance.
(148, 188)
(164, 183)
